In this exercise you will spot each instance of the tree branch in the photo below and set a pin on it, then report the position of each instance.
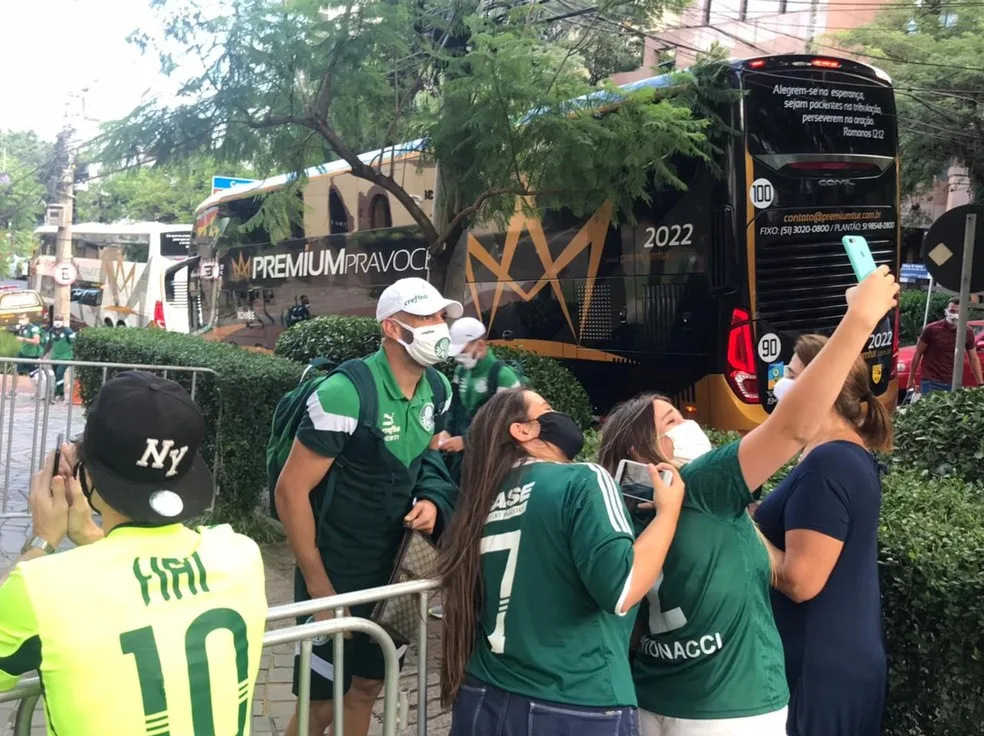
(470, 210)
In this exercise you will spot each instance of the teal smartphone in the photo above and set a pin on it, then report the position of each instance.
(860, 255)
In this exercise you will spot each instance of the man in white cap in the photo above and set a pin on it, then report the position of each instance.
(345, 520)
(478, 376)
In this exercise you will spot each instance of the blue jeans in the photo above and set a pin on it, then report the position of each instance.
(484, 710)
(926, 386)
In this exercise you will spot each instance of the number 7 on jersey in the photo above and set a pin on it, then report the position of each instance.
(508, 542)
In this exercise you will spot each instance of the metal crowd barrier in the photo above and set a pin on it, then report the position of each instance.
(28, 690)
(43, 438)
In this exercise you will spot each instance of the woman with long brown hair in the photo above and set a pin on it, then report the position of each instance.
(823, 518)
(540, 568)
(710, 660)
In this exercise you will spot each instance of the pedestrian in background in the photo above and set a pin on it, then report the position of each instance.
(477, 377)
(935, 351)
(30, 337)
(60, 346)
(823, 520)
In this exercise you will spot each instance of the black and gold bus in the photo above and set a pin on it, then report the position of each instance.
(702, 298)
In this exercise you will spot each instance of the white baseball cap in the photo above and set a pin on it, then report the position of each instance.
(463, 331)
(414, 296)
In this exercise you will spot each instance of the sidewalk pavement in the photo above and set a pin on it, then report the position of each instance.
(273, 702)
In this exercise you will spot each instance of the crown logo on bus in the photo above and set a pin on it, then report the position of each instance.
(241, 267)
(590, 237)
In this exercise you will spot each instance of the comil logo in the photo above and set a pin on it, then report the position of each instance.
(835, 182)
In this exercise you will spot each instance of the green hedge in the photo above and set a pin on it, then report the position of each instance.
(912, 305)
(237, 403)
(341, 338)
(912, 308)
(943, 435)
(932, 580)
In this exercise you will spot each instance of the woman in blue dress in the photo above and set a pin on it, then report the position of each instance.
(823, 519)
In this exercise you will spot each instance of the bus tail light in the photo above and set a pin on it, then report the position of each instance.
(159, 314)
(826, 63)
(741, 358)
(756, 64)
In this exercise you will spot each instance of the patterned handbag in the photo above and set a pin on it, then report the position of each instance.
(416, 560)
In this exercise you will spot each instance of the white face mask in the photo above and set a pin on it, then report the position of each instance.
(466, 361)
(689, 441)
(782, 387)
(23, 322)
(430, 343)
(57, 324)
(951, 317)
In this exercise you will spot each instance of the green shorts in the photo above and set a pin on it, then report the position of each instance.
(362, 656)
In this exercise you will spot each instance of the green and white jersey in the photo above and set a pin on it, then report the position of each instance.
(407, 424)
(29, 332)
(472, 385)
(556, 564)
(711, 648)
(62, 343)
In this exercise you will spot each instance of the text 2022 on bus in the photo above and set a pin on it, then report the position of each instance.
(703, 297)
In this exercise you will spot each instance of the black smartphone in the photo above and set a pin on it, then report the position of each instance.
(61, 441)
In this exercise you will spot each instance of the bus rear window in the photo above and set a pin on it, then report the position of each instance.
(809, 112)
(175, 244)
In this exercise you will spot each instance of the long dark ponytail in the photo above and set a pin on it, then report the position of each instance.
(491, 457)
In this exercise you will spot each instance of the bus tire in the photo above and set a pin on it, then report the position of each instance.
(108, 322)
(120, 323)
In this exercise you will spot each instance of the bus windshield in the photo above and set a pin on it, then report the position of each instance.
(811, 111)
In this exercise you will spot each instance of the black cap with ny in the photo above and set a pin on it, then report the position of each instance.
(142, 448)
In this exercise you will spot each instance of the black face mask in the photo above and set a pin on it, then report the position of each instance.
(560, 430)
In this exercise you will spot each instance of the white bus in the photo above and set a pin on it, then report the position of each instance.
(120, 267)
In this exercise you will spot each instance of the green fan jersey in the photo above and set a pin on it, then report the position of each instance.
(556, 564)
(472, 384)
(27, 350)
(365, 524)
(711, 649)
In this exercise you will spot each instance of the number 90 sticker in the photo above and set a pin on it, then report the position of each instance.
(761, 193)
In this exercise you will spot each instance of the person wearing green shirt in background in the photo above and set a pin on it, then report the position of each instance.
(61, 346)
(31, 341)
(477, 377)
(710, 661)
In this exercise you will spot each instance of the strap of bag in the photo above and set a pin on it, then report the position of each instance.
(361, 377)
(437, 388)
(494, 375)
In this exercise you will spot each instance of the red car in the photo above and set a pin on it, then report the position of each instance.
(906, 353)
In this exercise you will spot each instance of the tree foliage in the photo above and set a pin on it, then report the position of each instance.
(290, 83)
(934, 55)
(152, 193)
(27, 169)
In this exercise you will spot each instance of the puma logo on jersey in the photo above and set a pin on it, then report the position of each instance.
(391, 429)
(510, 504)
(160, 455)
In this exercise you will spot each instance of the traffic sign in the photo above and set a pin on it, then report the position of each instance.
(943, 248)
(914, 272)
(220, 183)
(64, 273)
